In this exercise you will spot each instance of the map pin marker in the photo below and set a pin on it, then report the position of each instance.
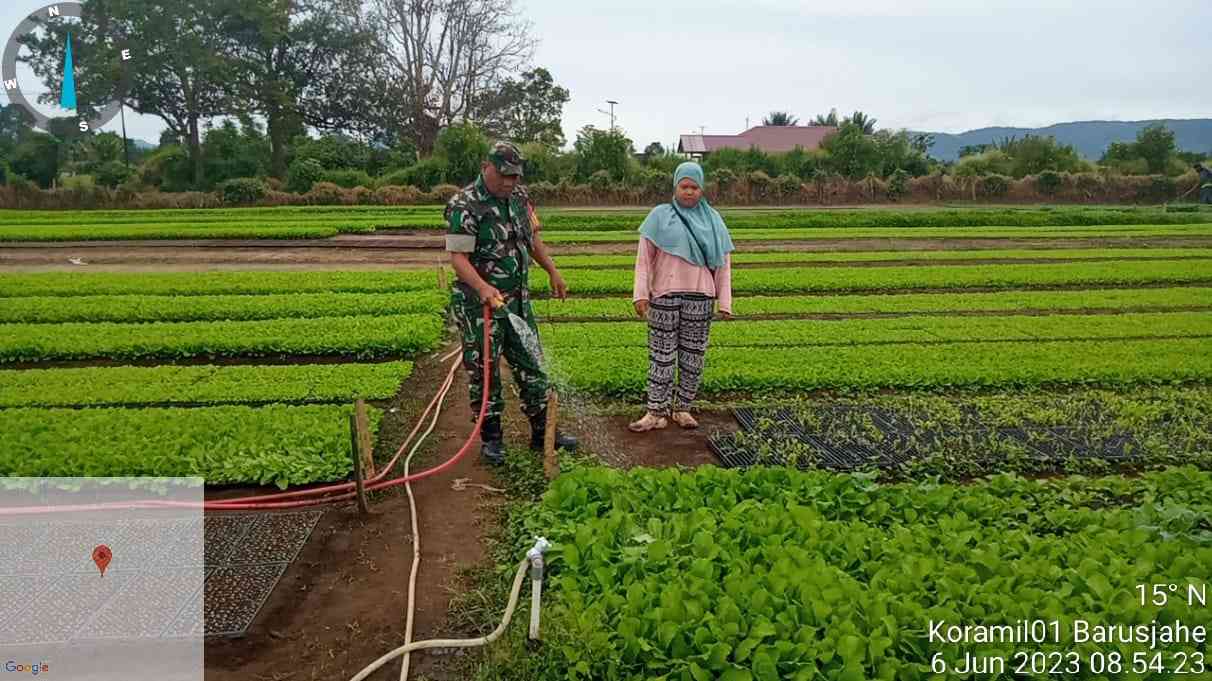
(101, 556)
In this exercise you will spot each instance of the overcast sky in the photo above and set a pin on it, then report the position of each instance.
(937, 65)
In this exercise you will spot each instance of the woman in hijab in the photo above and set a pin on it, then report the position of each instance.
(682, 269)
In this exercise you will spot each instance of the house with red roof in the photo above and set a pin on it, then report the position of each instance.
(768, 138)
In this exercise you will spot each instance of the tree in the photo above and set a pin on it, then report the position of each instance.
(922, 141)
(608, 150)
(863, 122)
(525, 110)
(444, 56)
(654, 149)
(37, 158)
(829, 119)
(974, 149)
(297, 64)
(900, 151)
(780, 118)
(334, 151)
(232, 152)
(1034, 154)
(463, 147)
(852, 152)
(15, 124)
(1155, 143)
(181, 74)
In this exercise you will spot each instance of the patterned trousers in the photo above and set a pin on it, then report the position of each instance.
(678, 325)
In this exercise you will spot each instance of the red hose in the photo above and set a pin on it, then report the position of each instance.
(269, 501)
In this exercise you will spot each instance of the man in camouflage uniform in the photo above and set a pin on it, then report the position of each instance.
(493, 232)
(1205, 183)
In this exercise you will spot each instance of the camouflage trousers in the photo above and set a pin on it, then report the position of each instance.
(527, 371)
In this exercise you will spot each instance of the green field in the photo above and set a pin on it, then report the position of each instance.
(1012, 363)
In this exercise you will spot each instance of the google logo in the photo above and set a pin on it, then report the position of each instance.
(34, 668)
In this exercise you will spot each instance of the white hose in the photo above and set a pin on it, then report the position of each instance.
(416, 532)
(533, 563)
(456, 642)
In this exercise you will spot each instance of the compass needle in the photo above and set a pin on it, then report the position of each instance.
(67, 99)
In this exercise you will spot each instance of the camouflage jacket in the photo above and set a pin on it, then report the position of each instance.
(496, 234)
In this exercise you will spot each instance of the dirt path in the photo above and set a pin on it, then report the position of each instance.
(342, 603)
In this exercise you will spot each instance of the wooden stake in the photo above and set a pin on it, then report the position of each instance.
(356, 455)
(365, 445)
(551, 464)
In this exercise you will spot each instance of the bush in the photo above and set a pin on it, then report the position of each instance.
(600, 181)
(303, 174)
(786, 186)
(994, 185)
(77, 182)
(395, 195)
(653, 181)
(443, 192)
(424, 175)
(3, 174)
(1091, 185)
(759, 184)
(274, 197)
(325, 194)
(1048, 183)
(112, 173)
(898, 184)
(347, 179)
(241, 191)
(1159, 190)
(542, 192)
(725, 178)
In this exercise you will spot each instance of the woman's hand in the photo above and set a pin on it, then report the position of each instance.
(641, 309)
(725, 315)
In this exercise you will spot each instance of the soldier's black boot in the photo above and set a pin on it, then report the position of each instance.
(538, 433)
(492, 447)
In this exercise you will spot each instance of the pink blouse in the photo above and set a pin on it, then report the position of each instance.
(658, 273)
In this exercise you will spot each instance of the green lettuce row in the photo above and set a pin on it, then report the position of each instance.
(364, 337)
(212, 283)
(760, 234)
(228, 384)
(804, 333)
(623, 371)
(841, 278)
(141, 308)
(581, 220)
(202, 231)
(912, 219)
(998, 301)
(742, 258)
(771, 574)
(266, 215)
(270, 445)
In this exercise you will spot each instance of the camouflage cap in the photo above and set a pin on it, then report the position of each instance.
(506, 157)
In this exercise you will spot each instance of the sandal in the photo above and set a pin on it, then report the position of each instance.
(684, 419)
(648, 422)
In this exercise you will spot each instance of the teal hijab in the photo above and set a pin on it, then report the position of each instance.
(697, 235)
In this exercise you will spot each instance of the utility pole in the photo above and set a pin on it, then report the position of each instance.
(125, 143)
(610, 113)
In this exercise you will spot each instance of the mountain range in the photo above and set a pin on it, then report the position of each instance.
(1089, 138)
